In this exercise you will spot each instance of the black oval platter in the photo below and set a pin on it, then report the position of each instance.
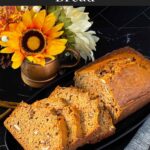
(123, 128)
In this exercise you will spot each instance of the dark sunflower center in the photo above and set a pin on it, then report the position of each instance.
(33, 41)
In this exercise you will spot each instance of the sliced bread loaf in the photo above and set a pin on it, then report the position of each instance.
(71, 116)
(122, 80)
(38, 128)
(91, 118)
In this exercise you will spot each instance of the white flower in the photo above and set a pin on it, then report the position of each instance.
(85, 41)
(24, 8)
(36, 8)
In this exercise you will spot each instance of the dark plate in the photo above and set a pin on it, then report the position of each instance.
(123, 128)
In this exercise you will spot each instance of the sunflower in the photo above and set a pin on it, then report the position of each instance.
(35, 38)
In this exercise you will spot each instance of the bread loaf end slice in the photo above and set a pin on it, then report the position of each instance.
(37, 128)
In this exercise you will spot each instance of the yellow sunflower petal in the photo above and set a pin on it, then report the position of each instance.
(58, 27)
(55, 50)
(49, 22)
(13, 40)
(10, 34)
(53, 35)
(16, 64)
(7, 50)
(17, 60)
(4, 44)
(38, 19)
(49, 56)
(56, 47)
(13, 44)
(20, 27)
(39, 56)
(64, 41)
(40, 61)
(30, 58)
(32, 13)
(57, 42)
(37, 60)
(12, 26)
(17, 56)
(27, 19)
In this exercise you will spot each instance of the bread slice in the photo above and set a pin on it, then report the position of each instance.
(97, 87)
(89, 112)
(71, 116)
(107, 126)
(57, 103)
(38, 128)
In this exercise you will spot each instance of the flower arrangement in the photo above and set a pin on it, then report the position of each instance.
(43, 33)
(36, 34)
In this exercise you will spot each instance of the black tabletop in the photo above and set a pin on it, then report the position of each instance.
(13, 89)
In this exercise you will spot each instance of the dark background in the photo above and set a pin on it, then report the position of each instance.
(120, 26)
(116, 27)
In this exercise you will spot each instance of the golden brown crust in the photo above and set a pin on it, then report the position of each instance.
(116, 54)
(134, 105)
(125, 74)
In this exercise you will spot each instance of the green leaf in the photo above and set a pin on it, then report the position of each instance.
(18, 8)
(51, 9)
(62, 18)
(54, 9)
(71, 39)
(68, 32)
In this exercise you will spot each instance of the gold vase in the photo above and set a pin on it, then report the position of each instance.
(37, 76)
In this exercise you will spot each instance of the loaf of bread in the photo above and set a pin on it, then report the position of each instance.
(71, 116)
(38, 128)
(95, 119)
(121, 79)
